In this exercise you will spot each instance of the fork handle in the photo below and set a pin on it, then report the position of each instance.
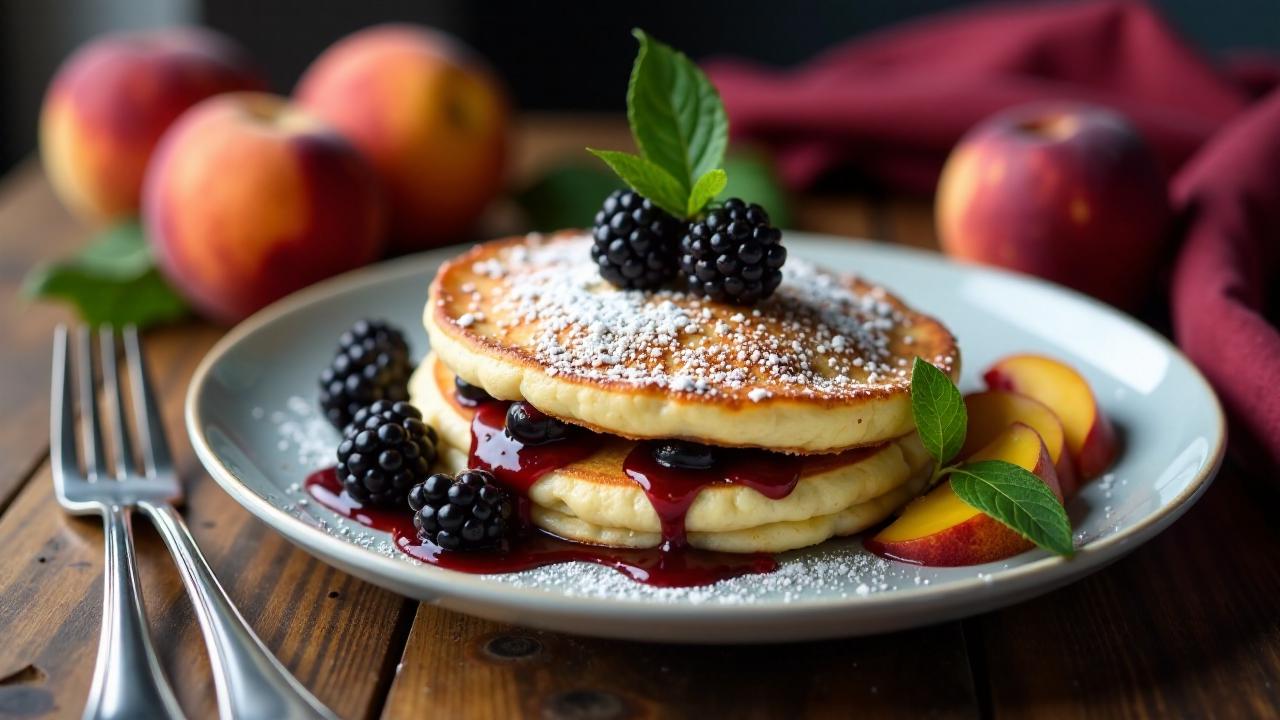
(251, 683)
(127, 679)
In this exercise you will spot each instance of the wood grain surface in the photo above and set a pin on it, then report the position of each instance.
(1188, 626)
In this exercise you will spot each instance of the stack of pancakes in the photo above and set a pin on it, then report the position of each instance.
(821, 369)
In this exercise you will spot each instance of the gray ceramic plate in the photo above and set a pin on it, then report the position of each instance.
(250, 413)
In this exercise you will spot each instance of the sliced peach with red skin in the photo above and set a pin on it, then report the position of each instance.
(940, 529)
(992, 412)
(1091, 439)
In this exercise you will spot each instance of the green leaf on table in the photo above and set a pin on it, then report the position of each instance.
(677, 118)
(1017, 498)
(112, 281)
(939, 411)
(566, 196)
(753, 177)
(646, 178)
(707, 187)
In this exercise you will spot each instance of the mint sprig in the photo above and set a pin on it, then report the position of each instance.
(112, 281)
(939, 411)
(680, 126)
(1008, 493)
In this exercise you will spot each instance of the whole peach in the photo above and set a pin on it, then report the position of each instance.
(1068, 192)
(249, 198)
(428, 113)
(112, 99)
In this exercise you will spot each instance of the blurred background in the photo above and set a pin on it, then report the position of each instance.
(554, 55)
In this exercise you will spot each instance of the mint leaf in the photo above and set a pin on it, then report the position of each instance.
(113, 281)
(1017, 498)
(566, 195)
(676, 115)
(646, 178)
(939, 411)
(753, 178)
(707, 187)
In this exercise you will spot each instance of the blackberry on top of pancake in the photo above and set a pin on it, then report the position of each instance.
(821, 366)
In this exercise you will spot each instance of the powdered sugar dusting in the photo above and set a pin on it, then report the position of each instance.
(815, 337)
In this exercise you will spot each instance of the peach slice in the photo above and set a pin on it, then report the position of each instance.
(940, 529)
(1091, 439)
(992, 412)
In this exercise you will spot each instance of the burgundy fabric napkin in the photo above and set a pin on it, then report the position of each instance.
(892, 105)
(1228, 272)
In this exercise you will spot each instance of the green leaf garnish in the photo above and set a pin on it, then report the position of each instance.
(565, 194)
(939, 411)
(753, 177)
(676, 114)
(707, 187)
(681, 128)
(112, 281)
(646, 178)
(1008, 493)
(1016, 498)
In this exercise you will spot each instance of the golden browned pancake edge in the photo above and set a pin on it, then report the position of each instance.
(778, 376)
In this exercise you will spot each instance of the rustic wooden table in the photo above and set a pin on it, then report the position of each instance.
(1188, 625)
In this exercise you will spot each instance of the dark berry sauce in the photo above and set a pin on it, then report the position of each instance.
(671, 490)
(534, 548)
(515, 464)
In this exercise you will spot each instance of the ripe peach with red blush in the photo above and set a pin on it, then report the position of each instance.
(111, 101)
(1065, 191)
(249, 198)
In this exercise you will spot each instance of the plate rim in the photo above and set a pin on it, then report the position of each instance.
(449, 583)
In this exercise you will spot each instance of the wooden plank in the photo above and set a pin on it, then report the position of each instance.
(908, 221)
(544, 140)
(1187, 626)
(837, 215)
(339, 635)
(460, 667)
(33, 227)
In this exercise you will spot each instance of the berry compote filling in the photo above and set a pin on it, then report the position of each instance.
(672, 490)
(469, 395)
(534, 548)
(671, 473)
(531, 426)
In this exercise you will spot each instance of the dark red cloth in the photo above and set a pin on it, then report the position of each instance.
(1229, 270)
(893, 104)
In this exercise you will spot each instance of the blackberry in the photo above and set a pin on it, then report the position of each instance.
(681, 455)
(372, 363)
(468, 394)
(531, 426)
(469, 512)
(635, 241)
(733, 255)
(385, 451)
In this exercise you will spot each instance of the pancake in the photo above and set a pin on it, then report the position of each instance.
(822, 366)
(594, 501)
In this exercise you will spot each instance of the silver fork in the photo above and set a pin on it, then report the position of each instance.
(127, 679)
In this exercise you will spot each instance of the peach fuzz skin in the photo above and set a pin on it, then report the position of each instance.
(1091, 438)
(248, 199)
(942, 530)
(111, 101)
(1065, 191)
(430, 117)
(992, 411)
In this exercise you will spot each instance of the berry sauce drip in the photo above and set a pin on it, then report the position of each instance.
(534, 548)
(516, 464)
(672, 491)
